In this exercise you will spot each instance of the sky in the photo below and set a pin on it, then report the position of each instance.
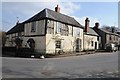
(106, 13)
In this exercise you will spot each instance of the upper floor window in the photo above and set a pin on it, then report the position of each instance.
(50, 27)
(110, 37)
(33, 27)
(114, 37)
(65, 30)
(71, 30)
(59, 27)
(62, 29)
(78, 32)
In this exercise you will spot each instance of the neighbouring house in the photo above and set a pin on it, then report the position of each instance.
(111, 29)
(91, 38)
(48, 32)
(107, 38)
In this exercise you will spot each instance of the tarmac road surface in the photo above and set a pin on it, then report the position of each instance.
(97, 65)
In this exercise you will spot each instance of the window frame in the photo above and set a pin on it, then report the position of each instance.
(58, 44)
(110, 37)
(33, 26)
(50, 27)
(92, 43)
(65, 30)
(59, 27)
(78, 32)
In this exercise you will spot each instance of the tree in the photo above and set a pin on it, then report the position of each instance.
(3, 36)
(73, 43)
(18, 42)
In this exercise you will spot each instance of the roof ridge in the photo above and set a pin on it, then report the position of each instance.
(108, 31)
(59, 13)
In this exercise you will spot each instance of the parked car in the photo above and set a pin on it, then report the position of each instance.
(111, 47)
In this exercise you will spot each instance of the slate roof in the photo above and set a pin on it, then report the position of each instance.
(50, 14)
(92, 32)
(17, 28)
(46, 13)
(105, 31)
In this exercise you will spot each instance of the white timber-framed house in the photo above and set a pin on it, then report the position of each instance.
(50, 32)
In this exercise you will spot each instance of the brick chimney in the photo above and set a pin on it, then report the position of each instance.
(87, 22)
(113, 30)
(57, 9)
(97, 25)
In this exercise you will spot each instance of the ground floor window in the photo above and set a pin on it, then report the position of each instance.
(58, 44)
(91, 43)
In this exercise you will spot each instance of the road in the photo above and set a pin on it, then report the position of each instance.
(84, 66)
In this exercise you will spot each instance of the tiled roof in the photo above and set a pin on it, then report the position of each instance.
(47, 13)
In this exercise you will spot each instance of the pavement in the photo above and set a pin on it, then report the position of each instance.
(100, 65)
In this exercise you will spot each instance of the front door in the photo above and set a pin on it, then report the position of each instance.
(78, 43)
(95, 45)
(31, 43)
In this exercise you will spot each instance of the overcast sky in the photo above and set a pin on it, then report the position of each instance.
(106, 13)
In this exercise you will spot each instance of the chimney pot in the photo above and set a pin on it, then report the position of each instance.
(96, 25)
(113, 30)
(57, 9)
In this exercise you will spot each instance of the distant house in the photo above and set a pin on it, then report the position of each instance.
(107, 38)
(91, 38)
(49, 32)
(112, 29)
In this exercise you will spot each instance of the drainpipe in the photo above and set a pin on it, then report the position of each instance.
(83, 40)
